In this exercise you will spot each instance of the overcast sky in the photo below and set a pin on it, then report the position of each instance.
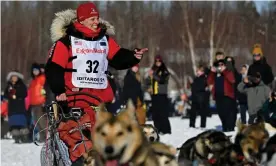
(261, 4)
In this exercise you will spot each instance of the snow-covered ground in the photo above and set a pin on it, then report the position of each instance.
(28, 154)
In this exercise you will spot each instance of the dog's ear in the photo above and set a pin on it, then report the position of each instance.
(206, 141)
(102, 115)
(129, 113)
(156, 130)
(260, 121)
(172, 150)
(240, 125)
(262, 124)
(130, 106)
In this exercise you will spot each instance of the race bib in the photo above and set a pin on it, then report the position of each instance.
(90, 62)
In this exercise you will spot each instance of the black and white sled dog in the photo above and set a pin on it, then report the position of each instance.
(150, 132)
(269, 152)
(206, 148)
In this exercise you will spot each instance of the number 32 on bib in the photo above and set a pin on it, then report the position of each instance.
(90, 62)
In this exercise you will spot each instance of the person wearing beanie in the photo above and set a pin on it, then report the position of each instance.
(222, 83)
(260, 65)
(37, 98)
(159, 78)
(78, 62)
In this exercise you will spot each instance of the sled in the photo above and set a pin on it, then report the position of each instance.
(54, 151)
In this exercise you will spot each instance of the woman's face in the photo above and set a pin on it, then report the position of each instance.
(243, 70)
(36, 72)
(91, 23)
(257, 57)
(219, 57)
(158, 63)
(14, 79)
(134, 69)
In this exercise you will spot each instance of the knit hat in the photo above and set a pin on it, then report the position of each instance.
(137, 65)
(86, 10)
(158, 57)
(35, 66)
(257, 50)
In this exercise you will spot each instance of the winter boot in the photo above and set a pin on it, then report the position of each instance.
(16, 135)
(24, 135)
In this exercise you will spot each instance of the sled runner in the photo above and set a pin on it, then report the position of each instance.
(70, 124)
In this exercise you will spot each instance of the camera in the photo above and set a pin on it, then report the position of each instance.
(218, 69)
(251, 79)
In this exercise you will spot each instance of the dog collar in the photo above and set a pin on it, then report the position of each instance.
(212, 160)
(240, 157)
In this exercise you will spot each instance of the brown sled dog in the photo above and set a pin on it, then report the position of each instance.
(120, 138)
(251, 139)
(140, 112)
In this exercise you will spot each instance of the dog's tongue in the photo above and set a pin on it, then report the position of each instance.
(112, 163)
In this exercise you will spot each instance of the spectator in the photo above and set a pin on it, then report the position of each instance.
(260, 65)
(230, 65)
(159, 82)
(219, 55)
(37, 99)
(222, 81)
(133, 90)
(200, 98)
(269, 109)
(257, 93)
(132, 85)
(242, 98)
(15, 93)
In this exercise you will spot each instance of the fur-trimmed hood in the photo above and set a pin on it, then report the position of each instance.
(65, 18)
(14, 73)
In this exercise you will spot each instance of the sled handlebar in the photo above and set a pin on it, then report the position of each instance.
(58, 104)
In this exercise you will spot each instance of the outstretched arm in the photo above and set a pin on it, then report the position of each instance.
(121, 58)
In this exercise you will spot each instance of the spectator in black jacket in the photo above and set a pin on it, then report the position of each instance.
(260, 65)
(159, 78)
(200, 98)
(15, 93)
(132, 86)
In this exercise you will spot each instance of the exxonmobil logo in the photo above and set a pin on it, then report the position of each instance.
(89, 50)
